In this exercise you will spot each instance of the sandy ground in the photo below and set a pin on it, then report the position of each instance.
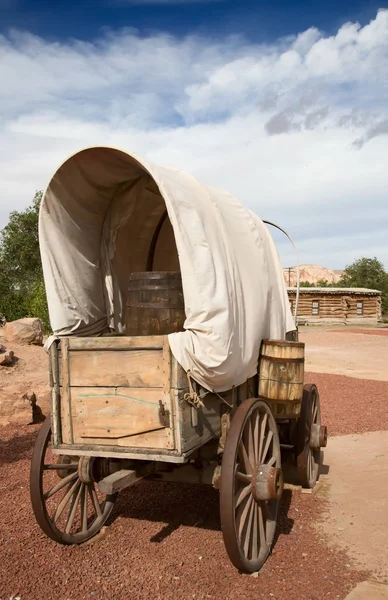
(355, 354)
(356, 487)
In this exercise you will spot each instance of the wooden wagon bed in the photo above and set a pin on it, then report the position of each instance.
(116, 396)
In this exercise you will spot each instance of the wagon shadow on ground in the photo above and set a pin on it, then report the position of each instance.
(183, 505)
(18, 446)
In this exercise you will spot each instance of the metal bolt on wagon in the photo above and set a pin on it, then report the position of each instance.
(174, 352)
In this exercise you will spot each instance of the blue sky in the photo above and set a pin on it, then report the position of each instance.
(258, 20)
(284, 104)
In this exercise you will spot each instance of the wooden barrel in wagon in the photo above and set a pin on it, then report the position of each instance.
(155, 304)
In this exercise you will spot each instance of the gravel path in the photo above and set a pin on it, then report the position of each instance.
(164, 540)
(351, 405)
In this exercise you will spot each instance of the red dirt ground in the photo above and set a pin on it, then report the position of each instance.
(164, 540)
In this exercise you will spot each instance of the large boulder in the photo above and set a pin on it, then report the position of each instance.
(24, 331)
(16, 405)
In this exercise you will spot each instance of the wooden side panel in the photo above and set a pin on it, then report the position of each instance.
(149, 342)
(150, 441)
(115, 392)
(197, 426)
(105, 368)
(114, 413)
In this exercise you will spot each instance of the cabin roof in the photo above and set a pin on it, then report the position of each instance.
(337, 291)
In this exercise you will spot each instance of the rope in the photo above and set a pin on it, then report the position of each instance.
(192, 397)
(223, 399)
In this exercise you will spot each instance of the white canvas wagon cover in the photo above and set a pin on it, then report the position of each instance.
(97, 220)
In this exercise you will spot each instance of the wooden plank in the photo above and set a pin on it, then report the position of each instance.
(66, 423)
(178, 375)
(152, 342)
(154, 441)
(116, 412)
(117, 452)
(117, 481)
(166, 366)
(55, 397)
(128, 368)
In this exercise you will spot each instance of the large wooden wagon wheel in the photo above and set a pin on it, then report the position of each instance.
(311, 437)
(64, 496)
(251, 485)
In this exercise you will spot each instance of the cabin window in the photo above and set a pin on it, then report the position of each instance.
(315, 310)
(360, 308)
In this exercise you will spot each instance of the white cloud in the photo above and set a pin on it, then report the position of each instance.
(297, 129)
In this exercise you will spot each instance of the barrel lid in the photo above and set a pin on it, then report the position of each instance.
(284, 343)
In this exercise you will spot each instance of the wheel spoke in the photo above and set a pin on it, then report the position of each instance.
(248, 531)
(243, 477)
(244, 458)
(261, 525)
(73, 508)
(256, 437)
(249, 442)
(271, 461)
(84, 508)
(95, 501)
(266, 447)
(244, 514)
(60, 485)
(243, 493)
(266, 508)
(262, 435)
(63, 503)
(255, 533)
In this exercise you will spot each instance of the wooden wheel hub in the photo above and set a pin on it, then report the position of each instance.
(267, 483)
(318, 436)
(85, 469)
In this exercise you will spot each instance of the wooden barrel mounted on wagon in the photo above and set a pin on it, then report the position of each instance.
(281, 376)
(155, 304)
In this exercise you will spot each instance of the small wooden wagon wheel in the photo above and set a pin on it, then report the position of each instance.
(66, 503)
(311, 437)
(251, 485)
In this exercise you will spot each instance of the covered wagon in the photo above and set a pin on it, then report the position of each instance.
(171, 353)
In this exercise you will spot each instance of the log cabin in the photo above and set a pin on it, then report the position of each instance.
(336, 305)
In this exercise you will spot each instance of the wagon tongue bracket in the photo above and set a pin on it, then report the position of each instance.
(267, 483)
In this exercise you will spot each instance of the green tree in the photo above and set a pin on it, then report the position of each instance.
(323, 283)
(21, 279)
(367, 273)
(306, 284)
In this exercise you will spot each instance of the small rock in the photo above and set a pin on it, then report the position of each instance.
(98, 537)
(16, 405)
(6, 358)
